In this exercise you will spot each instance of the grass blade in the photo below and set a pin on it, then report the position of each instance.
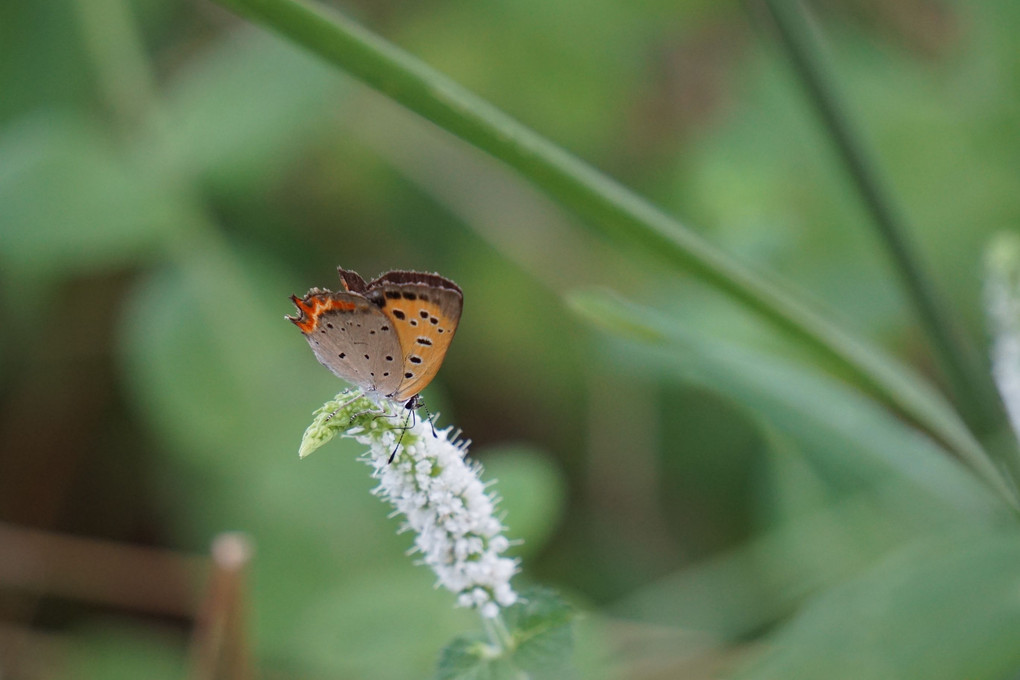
(607, 205)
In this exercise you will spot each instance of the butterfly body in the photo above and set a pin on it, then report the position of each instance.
(388, 336)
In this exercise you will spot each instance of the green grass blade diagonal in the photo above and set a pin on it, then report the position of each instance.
(762, 381)
(613, 209)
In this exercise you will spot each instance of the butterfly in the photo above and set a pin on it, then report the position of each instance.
(387, 337)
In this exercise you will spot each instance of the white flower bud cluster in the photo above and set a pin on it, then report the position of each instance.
(445, 503)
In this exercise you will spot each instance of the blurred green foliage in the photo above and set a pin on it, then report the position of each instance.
(154, 219)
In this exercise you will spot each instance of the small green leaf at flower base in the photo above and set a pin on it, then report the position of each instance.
(540, 645)
(540, 625)
(471, 657)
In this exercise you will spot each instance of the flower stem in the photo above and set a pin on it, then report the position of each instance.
(498, 633)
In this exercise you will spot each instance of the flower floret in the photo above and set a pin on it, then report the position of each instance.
(442, 499)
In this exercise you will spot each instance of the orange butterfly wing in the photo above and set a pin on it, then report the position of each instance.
(424, 310)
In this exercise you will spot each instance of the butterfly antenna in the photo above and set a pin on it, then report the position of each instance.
(429, 420)
(403, 429)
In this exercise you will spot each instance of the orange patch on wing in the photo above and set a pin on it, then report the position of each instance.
(313, 307)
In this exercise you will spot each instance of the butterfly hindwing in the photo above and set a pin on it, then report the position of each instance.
(352, 338)
(424, 309)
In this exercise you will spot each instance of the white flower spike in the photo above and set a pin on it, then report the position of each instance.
(440, 495)
(1002, 299)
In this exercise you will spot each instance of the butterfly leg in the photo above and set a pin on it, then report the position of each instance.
(357, 395)
(415, 403)
(403, 429)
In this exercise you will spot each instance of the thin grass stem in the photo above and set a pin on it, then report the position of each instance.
(967, 378)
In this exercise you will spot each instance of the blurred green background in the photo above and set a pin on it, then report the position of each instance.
(169, 175)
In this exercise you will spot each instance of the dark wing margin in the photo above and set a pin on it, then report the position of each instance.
(416, 278)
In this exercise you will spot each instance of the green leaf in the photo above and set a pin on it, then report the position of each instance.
(541, 641)
(471, 657)
(540, 625)
(940, 609)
